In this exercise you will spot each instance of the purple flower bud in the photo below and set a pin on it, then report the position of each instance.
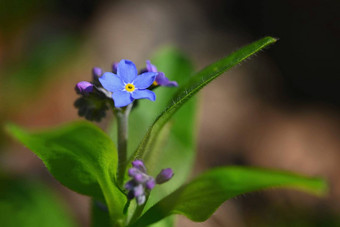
(141, 183)
(141, 199)
(150, 184)
(129, 185)
(114, 67)
(96, 72)
(162, 80)
(139, 165)
(84, 87)
(139, 178)
(133, 171)
(164, 176)
(138, 190)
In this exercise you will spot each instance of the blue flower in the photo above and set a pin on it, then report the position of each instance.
(126, 85)
(161, 79)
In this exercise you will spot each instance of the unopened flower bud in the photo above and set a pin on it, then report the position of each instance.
(140, 178)
(138, 190)
(139, 165)
(150, 184)
(133, 171)
(164, 176)
(114, 67)
(141, 199)
(129, 185)
(161, 79)
(96, 72)
(84, 87)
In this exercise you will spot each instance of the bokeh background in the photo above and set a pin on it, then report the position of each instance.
(278, 110)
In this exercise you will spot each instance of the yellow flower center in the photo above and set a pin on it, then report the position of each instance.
(130, 87)
(155, 83)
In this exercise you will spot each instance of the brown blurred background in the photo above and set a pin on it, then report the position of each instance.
(278, 110)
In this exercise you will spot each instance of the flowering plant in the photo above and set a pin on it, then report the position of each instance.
(121, 180)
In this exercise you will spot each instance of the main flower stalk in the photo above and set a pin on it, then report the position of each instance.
(122, 115)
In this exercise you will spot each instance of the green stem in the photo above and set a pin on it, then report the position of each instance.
(122, 124)
(116, 216)
(139, 211)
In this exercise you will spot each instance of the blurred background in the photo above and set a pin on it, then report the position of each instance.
(281, 109)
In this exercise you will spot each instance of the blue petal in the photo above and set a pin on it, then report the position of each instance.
(145, 80)
(121, 98)
(144, 94)
(111, 82)
(162, 80)
(127, 70)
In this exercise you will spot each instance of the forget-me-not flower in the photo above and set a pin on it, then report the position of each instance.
(126, 85)
(161, 79)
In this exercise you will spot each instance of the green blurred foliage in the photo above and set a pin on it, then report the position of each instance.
(81, 156)
(30, 204)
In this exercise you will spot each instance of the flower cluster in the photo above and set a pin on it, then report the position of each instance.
(141, 183)
(122, 86)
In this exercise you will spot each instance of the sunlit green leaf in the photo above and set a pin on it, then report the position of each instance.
(199, 199)
(177, 140)
(79, 155)
(197, 82)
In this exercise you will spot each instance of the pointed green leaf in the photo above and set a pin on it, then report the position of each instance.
(79, 155)
(175, 145)
(199, 199)
(197, 82)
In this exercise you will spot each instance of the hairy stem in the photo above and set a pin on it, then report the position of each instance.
(122, 124)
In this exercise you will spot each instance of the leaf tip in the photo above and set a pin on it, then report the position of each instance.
(271, 39)
(323, 188)
(11, 128)
(315, 186)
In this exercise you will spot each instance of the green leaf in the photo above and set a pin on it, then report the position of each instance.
(81, 156)
(30, 204)
(176, 143)
(197, 82)
(199, 199)
(99, 215)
